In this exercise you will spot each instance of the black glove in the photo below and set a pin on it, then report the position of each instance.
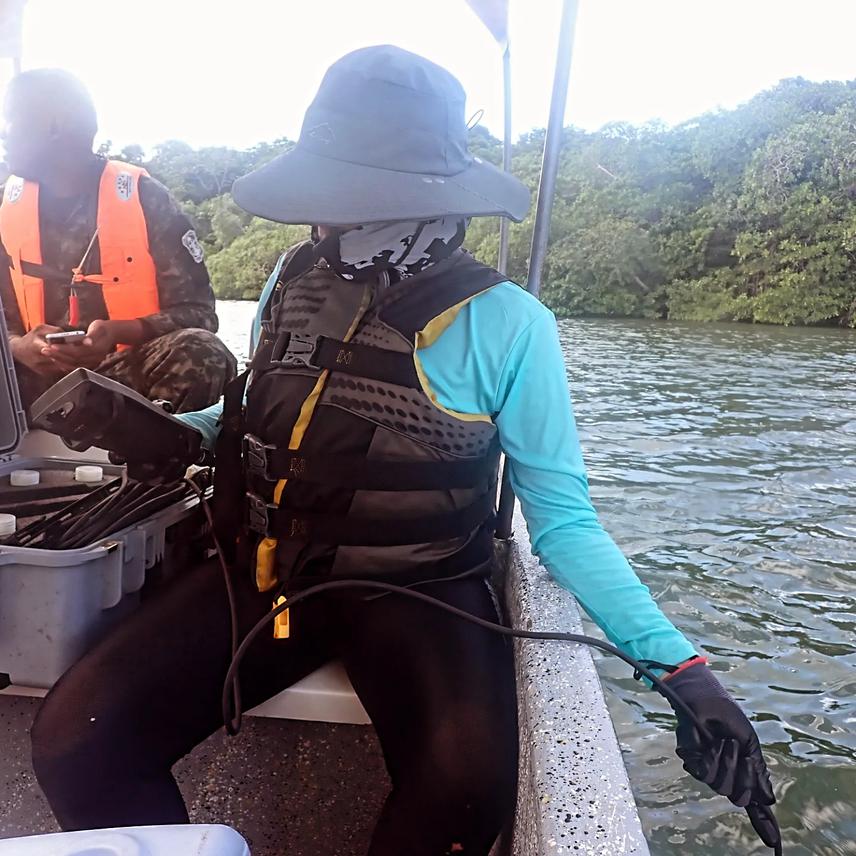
(731, 762)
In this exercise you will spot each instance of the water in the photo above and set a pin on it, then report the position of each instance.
(236, 318)
(723, 461)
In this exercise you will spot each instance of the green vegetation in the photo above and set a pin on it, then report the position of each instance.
(743, 215)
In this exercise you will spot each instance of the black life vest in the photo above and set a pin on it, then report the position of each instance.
(349, 464)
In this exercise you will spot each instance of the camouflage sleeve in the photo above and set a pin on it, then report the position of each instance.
(186, 297)
(14, 323)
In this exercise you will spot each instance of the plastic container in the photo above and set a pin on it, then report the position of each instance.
(133, 841)
(54, 604)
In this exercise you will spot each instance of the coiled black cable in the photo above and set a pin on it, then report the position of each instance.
(107, 509)
(761, 816)
(42, 532)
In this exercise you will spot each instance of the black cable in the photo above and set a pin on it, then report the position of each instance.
(106, 509)
(86, 526)
(88, 517)
(32, 531)
(333, 585)
(36, 508)
(759, 815)
(231, 722)
(144, 505)
(137, 502)
(50, 524)
(101, 521)
(121, 502)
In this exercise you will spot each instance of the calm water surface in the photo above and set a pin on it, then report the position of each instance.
(723, 461)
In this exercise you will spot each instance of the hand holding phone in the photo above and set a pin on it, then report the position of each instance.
(73, 349)
(31, 350)
(72, 337)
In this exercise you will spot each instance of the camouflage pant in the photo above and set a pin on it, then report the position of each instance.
(188, 368)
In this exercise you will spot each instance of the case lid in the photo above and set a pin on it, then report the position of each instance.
(13, 423)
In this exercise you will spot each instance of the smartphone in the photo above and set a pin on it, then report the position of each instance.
(70, 338)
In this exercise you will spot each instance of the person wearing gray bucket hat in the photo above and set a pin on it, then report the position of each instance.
(389, 369)
(384, 139)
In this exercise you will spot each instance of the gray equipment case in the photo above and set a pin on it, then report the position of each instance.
(54, 604)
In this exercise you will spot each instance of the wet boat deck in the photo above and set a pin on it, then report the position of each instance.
(290, 788)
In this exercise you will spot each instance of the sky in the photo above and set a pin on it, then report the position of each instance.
(226, 73)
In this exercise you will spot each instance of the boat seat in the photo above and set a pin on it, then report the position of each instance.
(324, 696)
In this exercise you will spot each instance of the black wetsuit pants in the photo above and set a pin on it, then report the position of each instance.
(440, 693)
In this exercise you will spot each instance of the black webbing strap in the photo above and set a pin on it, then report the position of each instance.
(296, 261)
(355, 472)
(228, 472)
(346, 530)
(233, 402)
(261, 357)
(40, 271)
(411, 305)
(366, 361)
(475, 559)
(292, 350)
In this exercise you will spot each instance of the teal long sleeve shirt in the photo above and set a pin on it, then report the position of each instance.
(501, 356)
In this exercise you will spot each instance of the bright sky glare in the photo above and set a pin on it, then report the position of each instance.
(227, 73)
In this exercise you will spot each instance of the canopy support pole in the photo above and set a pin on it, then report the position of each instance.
(544, 210)
(502, 262)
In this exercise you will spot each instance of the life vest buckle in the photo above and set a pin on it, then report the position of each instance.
(294, 349)
(256, 456)
(259, 513)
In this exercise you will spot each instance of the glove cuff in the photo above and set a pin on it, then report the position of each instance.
(696, 682)
(687, 664)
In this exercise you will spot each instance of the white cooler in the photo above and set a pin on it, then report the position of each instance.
(133, 841)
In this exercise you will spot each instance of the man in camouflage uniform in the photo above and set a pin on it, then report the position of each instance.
(174, 353)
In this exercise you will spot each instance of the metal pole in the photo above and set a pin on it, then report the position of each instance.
(502, 263)
(552, 147)
(544, 210)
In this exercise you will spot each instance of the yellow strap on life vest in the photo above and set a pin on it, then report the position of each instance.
(266, 552)
(265, 565)
(282, 623)
(266, 577)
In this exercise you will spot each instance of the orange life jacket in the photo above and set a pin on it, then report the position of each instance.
(128, 277)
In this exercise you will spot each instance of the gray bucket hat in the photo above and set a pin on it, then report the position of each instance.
(384, 139)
